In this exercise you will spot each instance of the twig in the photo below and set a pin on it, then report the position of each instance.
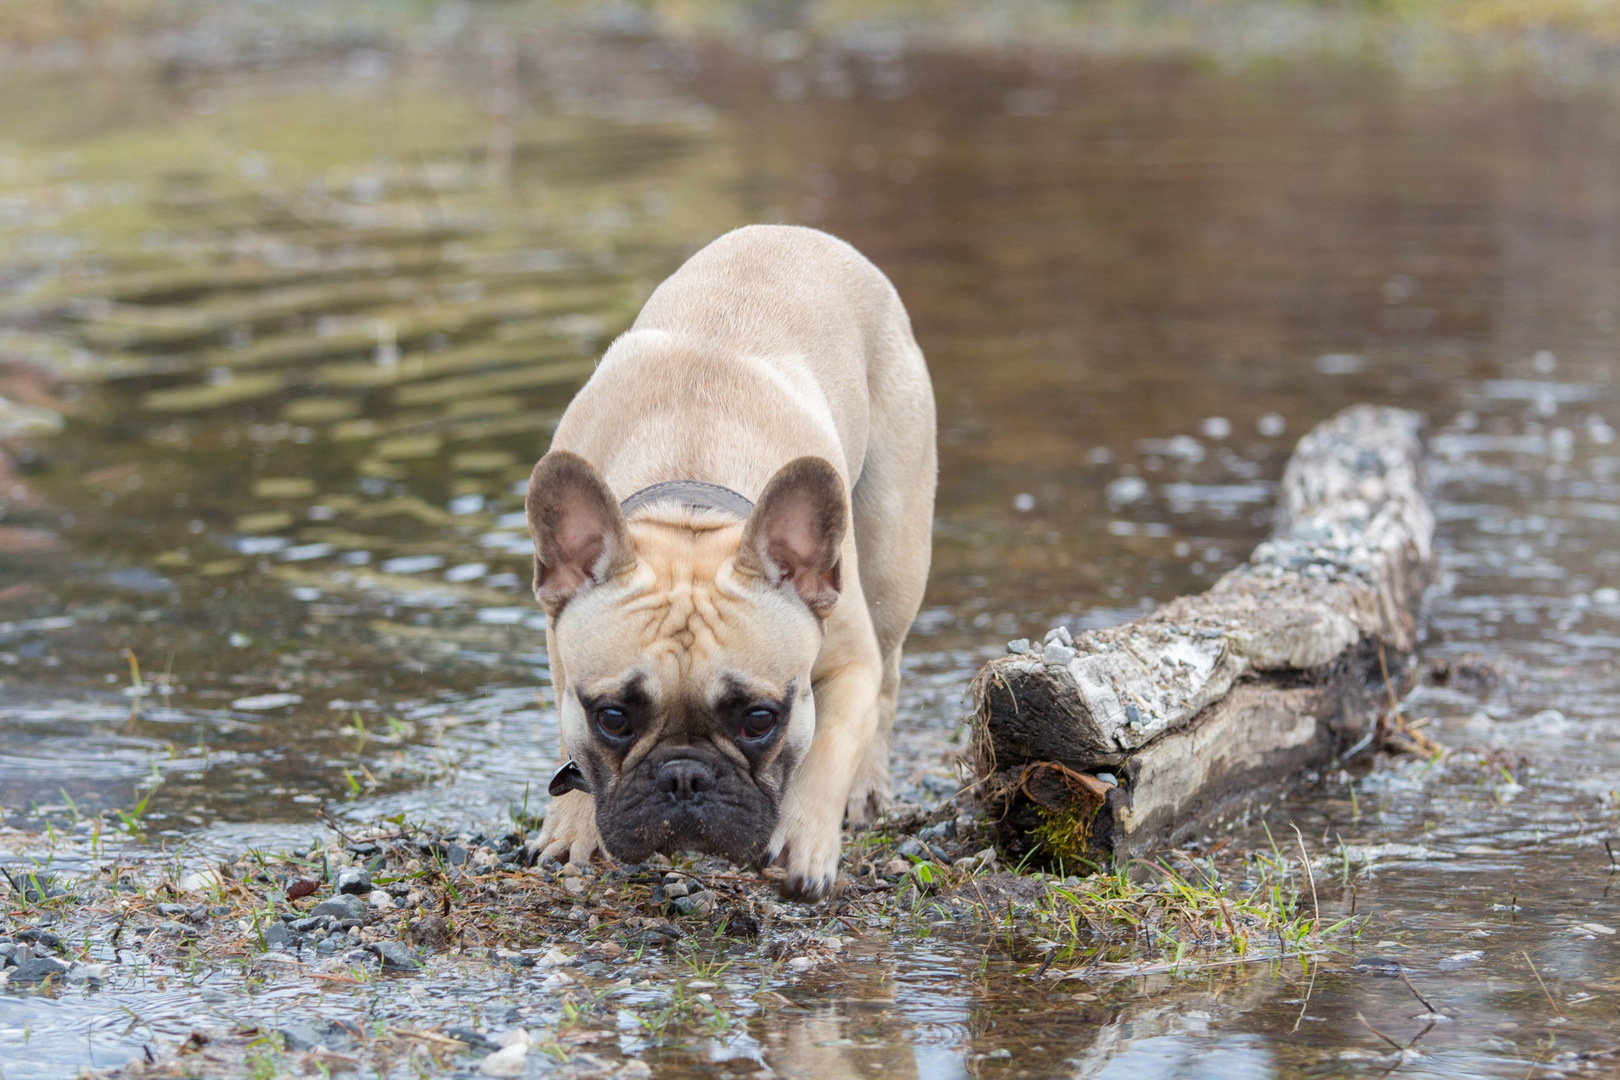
(1394, 702)
(1306, 1004)
(1421, 999)
(1399, 1049)
(326, 819)
(1544, 989)
(443, 1040)
(1310, 875)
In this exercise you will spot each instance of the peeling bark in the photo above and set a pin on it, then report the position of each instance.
(1216, 699)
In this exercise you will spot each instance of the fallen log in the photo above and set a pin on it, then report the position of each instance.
(1116, 741)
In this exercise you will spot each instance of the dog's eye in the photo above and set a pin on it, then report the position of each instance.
(614, 723)
(758, 723)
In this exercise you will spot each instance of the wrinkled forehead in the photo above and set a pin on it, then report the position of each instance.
(724, 686)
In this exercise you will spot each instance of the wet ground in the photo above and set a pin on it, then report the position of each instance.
(280, 345)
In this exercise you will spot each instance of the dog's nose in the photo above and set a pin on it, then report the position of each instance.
(684, 778)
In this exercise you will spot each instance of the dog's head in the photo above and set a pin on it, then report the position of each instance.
(686, 639)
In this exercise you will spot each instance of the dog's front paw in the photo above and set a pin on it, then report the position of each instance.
(569, 834)
(809, 854)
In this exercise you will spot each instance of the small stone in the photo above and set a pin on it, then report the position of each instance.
(698, 903)
(276, 936)
(945, 830)
(676, 889)
(352, 879)
(570, 870)
(800, 963)
(215, 997)
(173, 911)
(1057, 655)
(1060, 635)
(380, 900)
(40, 937)
(1018, 646)
(1108, 778)
(455, 855)
(508, 1061)
(301, 1037)
(575, 886)
(200, 882)
(515, 1037)
(433, 932)
(555, 957)
(395, 956)
(342, 907)
(308, 924)
(636, 1068)
(896, 867)
(912, 849)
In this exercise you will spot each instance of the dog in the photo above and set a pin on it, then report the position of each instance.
(732, 532)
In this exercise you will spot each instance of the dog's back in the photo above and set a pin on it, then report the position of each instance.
(769, 343)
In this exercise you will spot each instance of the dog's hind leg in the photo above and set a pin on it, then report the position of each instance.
(870, 795)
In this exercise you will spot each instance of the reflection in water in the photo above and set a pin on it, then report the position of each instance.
(309, 328)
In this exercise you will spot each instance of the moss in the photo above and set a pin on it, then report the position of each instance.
(1065, 835)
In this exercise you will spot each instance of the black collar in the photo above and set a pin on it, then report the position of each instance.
(693, 494)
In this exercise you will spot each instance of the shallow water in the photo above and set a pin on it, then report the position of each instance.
(311, 325)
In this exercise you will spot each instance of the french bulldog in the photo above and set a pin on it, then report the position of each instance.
(732, 535)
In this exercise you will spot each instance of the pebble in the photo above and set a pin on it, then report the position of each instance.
(40, 937)
(277, 935)
(912, 848)
(676, 889)
(698, 903)
(38, 969)
(515, 1037)
(301, 1037)
(1018, 646)
(1057, 655)
(344, 907)
(395, 956)
(555, 958)
(800, 963)
(508, 1061)
(896, 867)
(352, 879)
(381, 900)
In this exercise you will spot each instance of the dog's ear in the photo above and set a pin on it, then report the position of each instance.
(579, 534)
(795, 531)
